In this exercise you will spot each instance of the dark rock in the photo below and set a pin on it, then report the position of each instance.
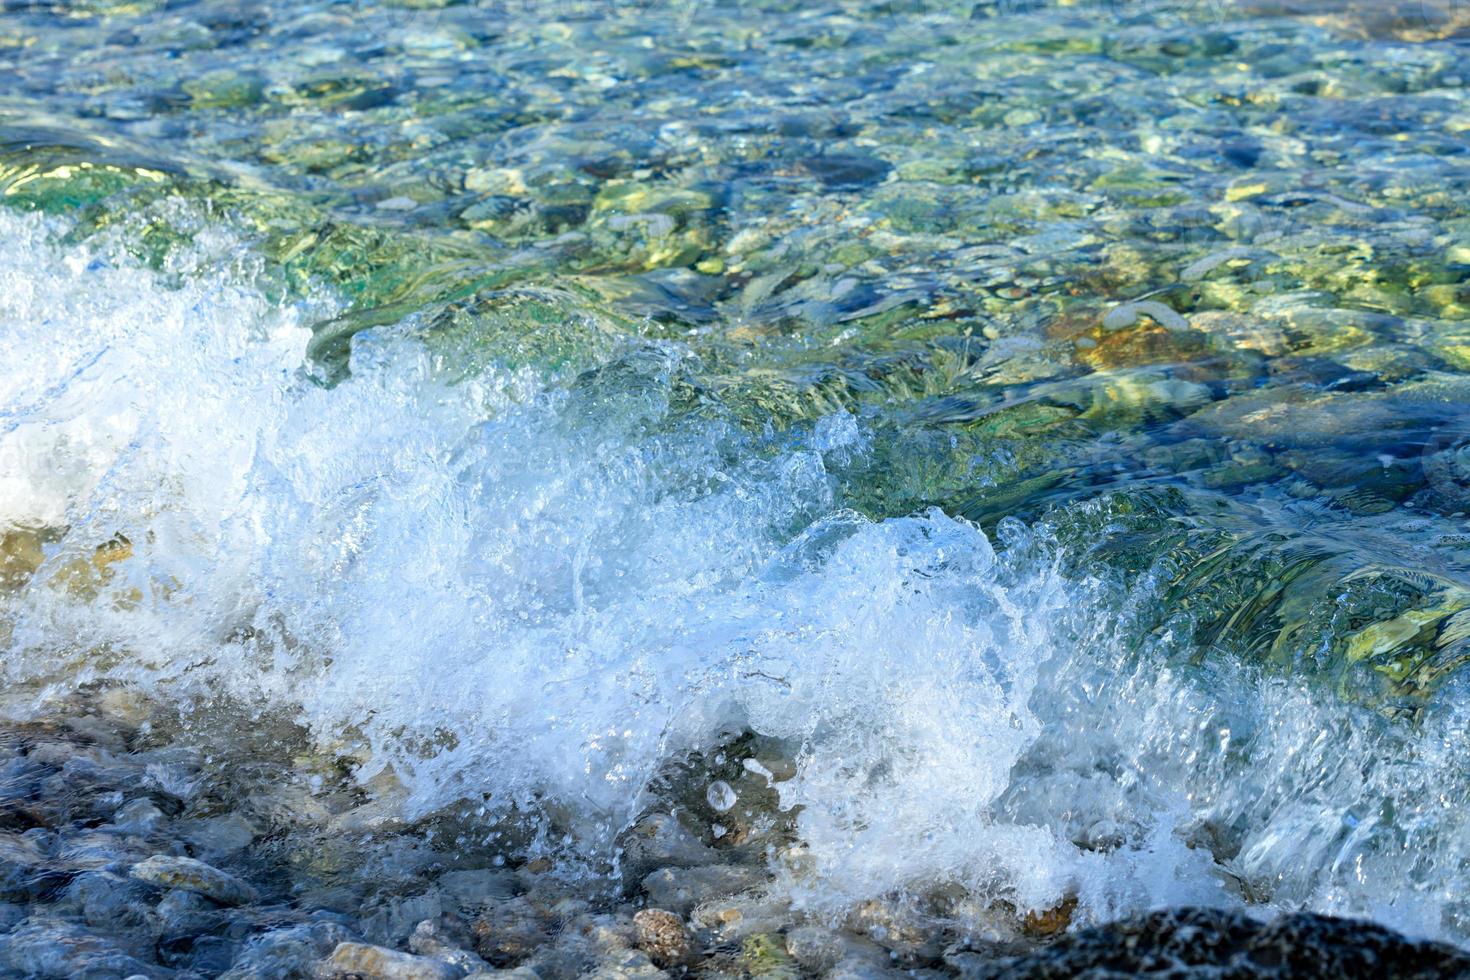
(109, 901)
(842, 171)
(1199, 943)
(509, 933)
(23, 872)
(660, 841)
(478, 888)
(185, 913)
(47, 948)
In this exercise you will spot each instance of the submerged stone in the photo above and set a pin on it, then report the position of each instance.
(680, 890)
(360, 960)
(41, 947)
(662, 935)
(187, 874)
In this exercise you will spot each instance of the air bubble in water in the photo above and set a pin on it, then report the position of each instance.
(721, 797)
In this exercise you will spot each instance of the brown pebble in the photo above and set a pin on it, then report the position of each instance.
(663, 937)
(1050, 922)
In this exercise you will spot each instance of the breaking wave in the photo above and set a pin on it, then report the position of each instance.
(530, 591)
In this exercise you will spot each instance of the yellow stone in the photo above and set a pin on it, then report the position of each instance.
(1242, 191)
(20, 556)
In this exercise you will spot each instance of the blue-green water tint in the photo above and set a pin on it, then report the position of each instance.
(1170, 298)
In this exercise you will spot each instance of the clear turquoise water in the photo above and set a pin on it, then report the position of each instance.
(1043, 426)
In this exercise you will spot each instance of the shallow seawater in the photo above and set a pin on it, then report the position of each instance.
(981, 455)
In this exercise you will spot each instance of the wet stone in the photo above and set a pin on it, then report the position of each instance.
(897, 929)
(220, 836)
(816, 949)
(290, 951)
(1209, 943)
(184, 913)
(190, 875)
(630, 964)
(765, 955)
(447, 941)
(224, 89)
(24, 870)
(137, 817)
(735, 918)
(662, 935)
(508, 933)
(660, 841)
(361, 961)
(1140, 344)
(50, 948)
(680, 890)
(1128, 314)
(109, 901)
(478, 888)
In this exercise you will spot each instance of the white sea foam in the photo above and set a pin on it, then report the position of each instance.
(528, 592)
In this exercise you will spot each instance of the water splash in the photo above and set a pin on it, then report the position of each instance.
(532, 591)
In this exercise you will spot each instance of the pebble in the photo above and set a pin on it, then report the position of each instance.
(509, 933)
(733, 919)
(360, 960)
(108, 901)
(397, 204)
(660, 841)
(629, 964)
(137, 817)
(50, 948)
(287, 952)
(680, 890)
(432, 939)
(662, 935)
(478, 888)
(187, 874)
(222, 836)
(1200, 268)
(862, 968)
(1127, 315)
(182, 913)
(815, 948)
(22, 871)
